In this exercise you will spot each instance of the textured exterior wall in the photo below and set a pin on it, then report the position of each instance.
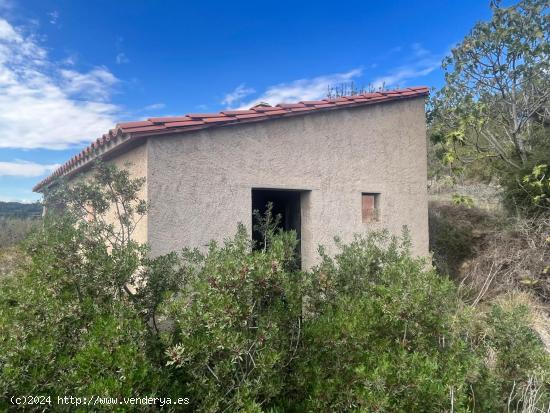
(135, 161)
(199, 184)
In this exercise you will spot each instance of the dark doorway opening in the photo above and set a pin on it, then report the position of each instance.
(286, 203)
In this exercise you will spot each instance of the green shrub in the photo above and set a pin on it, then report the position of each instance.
(236, 323)
(111, 359)
(511, 356)
(64, 330)
(69, 324)
(380, 337)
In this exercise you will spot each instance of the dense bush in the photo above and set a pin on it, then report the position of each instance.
(489, 253)
(52, 345)
(68, 325)
(512, 359)
(236, 323)
(240, 329)
(381, 338)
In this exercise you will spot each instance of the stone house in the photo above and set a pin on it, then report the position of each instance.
(333, 167)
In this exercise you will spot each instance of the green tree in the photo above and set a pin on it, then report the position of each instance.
(497, 89)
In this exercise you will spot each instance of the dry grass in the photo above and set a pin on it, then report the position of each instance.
(486, 196)
(15, 230)
(457, 234)
(493, 257)
(12, 232)
(515, 256)
(490, 254)
(10, 260)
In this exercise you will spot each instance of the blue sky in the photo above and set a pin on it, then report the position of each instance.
(70, 70)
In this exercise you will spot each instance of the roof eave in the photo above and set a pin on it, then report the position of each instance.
(124, 134)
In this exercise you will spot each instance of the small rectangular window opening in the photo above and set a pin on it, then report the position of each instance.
(370, 207)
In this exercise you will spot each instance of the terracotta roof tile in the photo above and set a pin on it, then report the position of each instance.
(203, 115)
(306, 109)
(324, 105)
(342, 99)
(251, 116)
(183, 124)
(409, 93)
(372, 95)
(220, 119)
(238, 112)
(291, 105)
(192, 121)
(169, 119)
(276, 112)
(137, 124)
(145, 128)
(262, 109)
(313, 102)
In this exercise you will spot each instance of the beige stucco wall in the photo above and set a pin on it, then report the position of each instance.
(135, 161)
(199, 184)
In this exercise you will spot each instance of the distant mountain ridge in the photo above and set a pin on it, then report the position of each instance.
(20, 210)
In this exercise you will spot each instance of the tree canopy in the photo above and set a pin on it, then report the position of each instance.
(494, 105)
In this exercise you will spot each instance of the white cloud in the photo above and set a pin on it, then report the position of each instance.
(54, 17)
(419, 51)
(237, 95)
(8, 33)
(96, 84)
(121, 58)
(155, 106)
(70, 60)
(417, 62)
(401, 74)
(45, 106)
(302, 89)
(25, 169)
(421, 63)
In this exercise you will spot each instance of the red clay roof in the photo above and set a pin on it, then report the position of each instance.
(193, 121)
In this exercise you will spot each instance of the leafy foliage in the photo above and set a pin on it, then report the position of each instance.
(492, 114)
(68, 322)
(266, 225)
(497, 85)
(465, 200)
(511, 356)
(529, 190)
(236, 323)
(380, 337)
(240, 329)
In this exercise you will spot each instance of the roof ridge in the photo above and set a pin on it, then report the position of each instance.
(193, 121)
